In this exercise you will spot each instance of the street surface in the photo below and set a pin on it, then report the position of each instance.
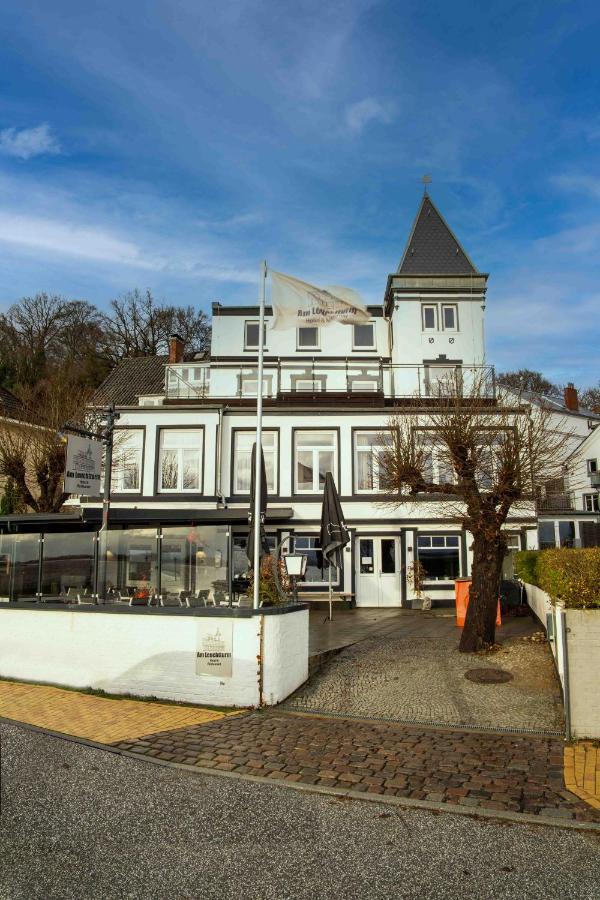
(83, 823)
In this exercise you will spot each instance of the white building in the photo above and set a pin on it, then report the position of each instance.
(180, 493)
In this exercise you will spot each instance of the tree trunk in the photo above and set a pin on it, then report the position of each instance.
(479, 631)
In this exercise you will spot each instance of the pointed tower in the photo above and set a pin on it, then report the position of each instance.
(436, 302)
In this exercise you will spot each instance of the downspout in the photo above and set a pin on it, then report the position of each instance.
(567, 692)
(219, 479)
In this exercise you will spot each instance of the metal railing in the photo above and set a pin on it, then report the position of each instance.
(342, 378)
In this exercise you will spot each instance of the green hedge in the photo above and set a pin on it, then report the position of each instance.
(571, 577)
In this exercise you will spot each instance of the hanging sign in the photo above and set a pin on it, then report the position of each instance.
(214, 650)
(82, 466)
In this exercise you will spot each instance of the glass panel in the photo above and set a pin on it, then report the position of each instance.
(194, 563)
(191, 470)
(440, 565)
(364, 471)
(305, 470)
(452, 541)
(325, 465)
(388, 556)
(131, 564)
(7, 542)
(315, 438)
(424, 541)
(449, 317)
(127, 460)
(27, 554)
(242, 454)
(364, 335)
(429, 317)
(315, 573)
(566, 534)
(437, 542)
(546, 537)
(169, 470)
(68, 566)
(366, 556)
(308, 337)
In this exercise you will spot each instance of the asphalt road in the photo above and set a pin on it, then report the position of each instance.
(78, 822)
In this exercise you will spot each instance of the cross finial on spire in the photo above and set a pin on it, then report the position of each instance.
(426, 179)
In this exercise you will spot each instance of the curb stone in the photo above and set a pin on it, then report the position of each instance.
(480, 812)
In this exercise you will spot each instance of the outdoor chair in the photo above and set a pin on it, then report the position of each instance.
(170, 599)
(198, 599)
(245, 602)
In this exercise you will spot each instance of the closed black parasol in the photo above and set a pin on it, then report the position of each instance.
(263, 506)
(334, 534)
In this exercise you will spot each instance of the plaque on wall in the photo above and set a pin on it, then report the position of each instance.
(214, 648)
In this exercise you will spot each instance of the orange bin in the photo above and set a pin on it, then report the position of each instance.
(462, 586)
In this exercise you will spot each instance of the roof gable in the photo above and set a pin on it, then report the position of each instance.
(432, 248)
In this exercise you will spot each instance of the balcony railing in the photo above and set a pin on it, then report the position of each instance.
(308, 378)
(556, 503)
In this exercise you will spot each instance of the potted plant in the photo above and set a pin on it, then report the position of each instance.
(416, 574)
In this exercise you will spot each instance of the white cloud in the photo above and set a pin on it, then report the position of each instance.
(578, 184)
(70, 239)
(359, 115)
(25, 143)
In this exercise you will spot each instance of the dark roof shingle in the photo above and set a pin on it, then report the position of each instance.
(432, 248)
(10, 406)
(130, 378)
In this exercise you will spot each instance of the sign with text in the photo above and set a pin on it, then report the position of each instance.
(83, 465)
(214, 651)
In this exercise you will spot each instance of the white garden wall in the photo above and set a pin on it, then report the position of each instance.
(154, 654)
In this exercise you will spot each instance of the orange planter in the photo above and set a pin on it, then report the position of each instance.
(461, 587)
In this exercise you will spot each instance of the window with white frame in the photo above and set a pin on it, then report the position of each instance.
(180, 460)
(242, 456)
(591, 502)
(437, 465)
(315, 453)
(592, 466)
(368, 448)
(449, 317)
(307, 337)
(439, 554)
(126, 475)
(316, 573)
(429, 314)
(251, 335)
(364, 336)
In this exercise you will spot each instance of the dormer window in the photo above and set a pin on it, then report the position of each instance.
(364, 336)
(308, 338)
(251, 334)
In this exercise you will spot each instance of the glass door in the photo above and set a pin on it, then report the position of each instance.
(378, 571)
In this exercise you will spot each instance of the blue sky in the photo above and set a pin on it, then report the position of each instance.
(174, 144)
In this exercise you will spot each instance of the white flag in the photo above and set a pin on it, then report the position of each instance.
(296, 303)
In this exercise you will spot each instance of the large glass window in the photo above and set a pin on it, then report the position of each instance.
(6, 562)
(440, 556)
(316, 573)
(131, 564)
(566, 534)
(68, 565)
(180, 460)
(368, 448)
(127, 460)
(546, 535)
(25, 576)
(194, 562)
(242, 453)
(315, 453)
(364, 336)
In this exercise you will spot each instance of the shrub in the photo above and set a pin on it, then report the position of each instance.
(526, 566)
(571, 577)
(268, 592)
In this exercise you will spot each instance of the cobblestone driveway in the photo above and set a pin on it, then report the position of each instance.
(416, 674)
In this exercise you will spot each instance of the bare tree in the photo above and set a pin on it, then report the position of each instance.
(140, 326)
(590, 398)
(480, 458)
(32, 451)
(527, 380)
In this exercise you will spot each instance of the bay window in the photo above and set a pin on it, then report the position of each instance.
(180, 459)
(127, 460)
(315, 453)
(242, 455)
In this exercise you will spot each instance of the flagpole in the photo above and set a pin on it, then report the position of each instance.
(258, 454)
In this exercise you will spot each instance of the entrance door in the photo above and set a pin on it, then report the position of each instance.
(378, 571)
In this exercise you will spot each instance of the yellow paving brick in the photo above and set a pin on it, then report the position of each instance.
(582, 772)
(95, 718)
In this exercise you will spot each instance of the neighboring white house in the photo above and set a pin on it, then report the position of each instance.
(181, 483)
